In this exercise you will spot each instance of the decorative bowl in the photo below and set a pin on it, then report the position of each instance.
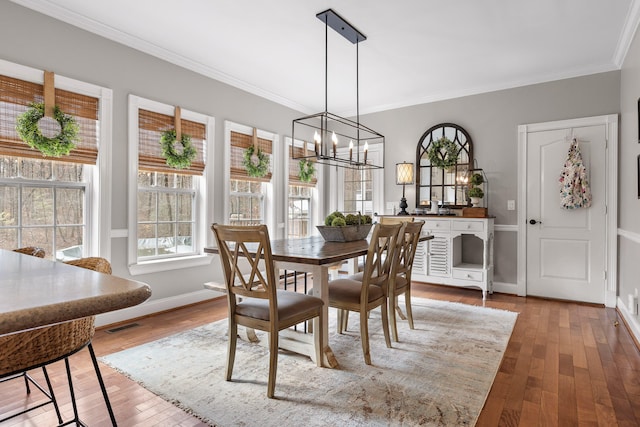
(345, 233)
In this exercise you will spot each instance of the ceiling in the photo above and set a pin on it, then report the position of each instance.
(416, 51)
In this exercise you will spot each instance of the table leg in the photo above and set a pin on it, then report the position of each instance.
(321, 290)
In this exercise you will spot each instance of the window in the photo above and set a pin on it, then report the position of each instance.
(250, 198)
(359, 190)
(302, 205)
(169, 205)
(54, 203)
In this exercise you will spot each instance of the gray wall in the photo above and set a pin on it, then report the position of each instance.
(35, 40)
(492, 120)
(629, 204)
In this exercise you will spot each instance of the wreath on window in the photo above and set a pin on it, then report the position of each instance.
(255, 169)
(61, 144)
(175, 160)
(307, 169)
(443, 153)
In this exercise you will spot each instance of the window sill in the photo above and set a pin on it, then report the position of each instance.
(169, 264)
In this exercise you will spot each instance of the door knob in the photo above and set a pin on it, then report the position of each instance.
(534, 222)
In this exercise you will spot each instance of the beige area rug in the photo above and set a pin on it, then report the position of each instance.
(439, 374)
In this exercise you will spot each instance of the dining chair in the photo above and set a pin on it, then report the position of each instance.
(400, 279)
(348, 294)
(253, 298)
(36, 348)
(31, 250)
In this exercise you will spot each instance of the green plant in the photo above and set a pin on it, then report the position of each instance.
(175, 160)
(61, 144)
(476, 192)
(338, 222)
(307, 169)
(476, 179)
(443, 153)
(329, 219)
(259, 169)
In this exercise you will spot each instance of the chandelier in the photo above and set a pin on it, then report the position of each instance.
(331, 139)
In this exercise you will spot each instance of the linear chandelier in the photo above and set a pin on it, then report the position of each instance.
(329, 138)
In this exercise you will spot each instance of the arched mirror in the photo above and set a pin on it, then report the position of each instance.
(444, 157)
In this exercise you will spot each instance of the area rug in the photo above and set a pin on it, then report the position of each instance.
(438, 374)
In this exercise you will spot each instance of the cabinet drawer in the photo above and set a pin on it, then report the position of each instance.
(437, 225)
(475, 275)
(468, 225)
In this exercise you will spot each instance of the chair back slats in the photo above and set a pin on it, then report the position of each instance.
(380, 255)
(406, 247)
(236, 245)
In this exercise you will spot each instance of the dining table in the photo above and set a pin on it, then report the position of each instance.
(314, 255)
(36, 292)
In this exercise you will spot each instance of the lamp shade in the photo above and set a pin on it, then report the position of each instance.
(404, 173)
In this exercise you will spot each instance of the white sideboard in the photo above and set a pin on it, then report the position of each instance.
(460, 253)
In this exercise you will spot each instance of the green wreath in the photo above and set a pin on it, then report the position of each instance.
(307, 169)
(436, 157)
(175, 160)
(255, 170)
(61, 144)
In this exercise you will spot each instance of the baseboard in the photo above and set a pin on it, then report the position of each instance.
(632, 321)
(154, 306)
(505, 288)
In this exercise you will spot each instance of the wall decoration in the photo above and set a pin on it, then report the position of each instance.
(175, 160)
(255, 168)
(307, 169)
(59, 145)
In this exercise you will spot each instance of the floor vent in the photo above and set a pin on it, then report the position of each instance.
(122, 328)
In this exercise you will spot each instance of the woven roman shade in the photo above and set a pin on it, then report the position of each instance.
(150, 128)
(239, 143)
(294, 167)
(15, 97)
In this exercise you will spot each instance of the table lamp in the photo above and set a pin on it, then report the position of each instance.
(404, 176)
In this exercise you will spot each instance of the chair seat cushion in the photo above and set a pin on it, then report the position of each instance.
(289, 305)
(348, 290)
(401, 280)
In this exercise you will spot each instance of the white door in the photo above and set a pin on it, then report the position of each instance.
(566, 249)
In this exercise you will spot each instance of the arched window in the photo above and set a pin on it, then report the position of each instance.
(443, 184)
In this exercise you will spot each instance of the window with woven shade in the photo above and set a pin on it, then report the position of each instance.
(47, 201)
(168, 205)
(15, 97)
(239, 144)
(295, 153)
(151, 125)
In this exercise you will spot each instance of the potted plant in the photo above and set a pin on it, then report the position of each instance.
(475, 194)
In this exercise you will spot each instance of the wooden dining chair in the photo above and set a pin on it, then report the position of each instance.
(39, 347)
(363, 296)
(253, 298)
(400, 279)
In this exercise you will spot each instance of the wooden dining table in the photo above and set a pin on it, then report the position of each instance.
(36, 292)
(313, 255)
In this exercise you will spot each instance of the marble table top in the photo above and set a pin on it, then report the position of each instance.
(36, 292)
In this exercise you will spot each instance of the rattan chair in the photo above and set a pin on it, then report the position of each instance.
(39, 347)
(31, 250)
(363, 296)
(263, 306)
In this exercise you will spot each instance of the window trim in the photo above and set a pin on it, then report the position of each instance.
(270, 201)
(317, 204)
(204, 193)
(337, 201)
(99, 187)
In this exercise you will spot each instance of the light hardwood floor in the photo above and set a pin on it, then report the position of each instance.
(566, 365)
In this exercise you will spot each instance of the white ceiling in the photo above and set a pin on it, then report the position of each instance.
(416, 50)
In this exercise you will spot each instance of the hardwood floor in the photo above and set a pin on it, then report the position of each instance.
(566, 364)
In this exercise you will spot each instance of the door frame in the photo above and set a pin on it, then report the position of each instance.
(611, 201)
